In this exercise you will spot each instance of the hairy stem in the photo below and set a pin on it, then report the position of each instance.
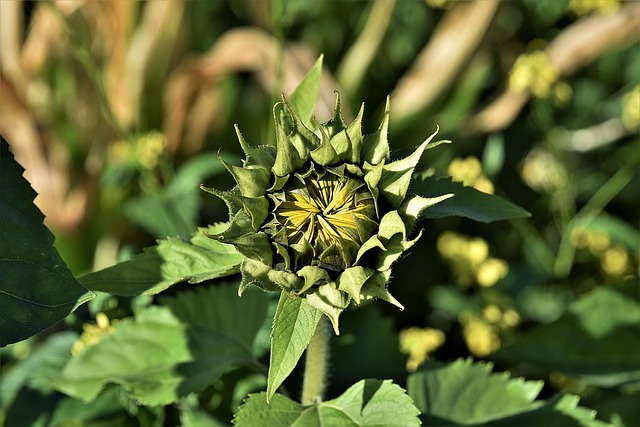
(317, 361)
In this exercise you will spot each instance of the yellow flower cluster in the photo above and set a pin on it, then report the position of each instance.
(542, 172)
(582, 7)
(92, 334)
(631, 109)
(482, 332)
(614, 259)
(144, 151)
(470, 261)
(418, 343)
(535, 74)
(469, 171)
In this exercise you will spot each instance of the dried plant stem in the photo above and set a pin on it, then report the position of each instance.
(317, 361)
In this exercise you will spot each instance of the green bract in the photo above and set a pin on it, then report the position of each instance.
(323, 214)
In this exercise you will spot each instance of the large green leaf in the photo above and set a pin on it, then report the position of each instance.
(172, 261)
(464, 393)
(36, 288)
(467, 202)
(173, 210)
(561, 410)
(169, 351)
(366, 403)
(293, 326)
(596, 338)
(467, 393)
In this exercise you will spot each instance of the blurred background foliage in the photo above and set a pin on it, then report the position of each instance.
(118, 111)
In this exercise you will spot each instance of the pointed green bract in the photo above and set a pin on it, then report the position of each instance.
(264, 155)
(375, 148)
(396, 176)
(303, 98)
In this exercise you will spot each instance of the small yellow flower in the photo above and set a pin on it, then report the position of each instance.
(534, 73)
(615, 261)
(542, 172)
(490, 271)
(481, 337)
(469, 260)
(418, 343)
(92, 334)
(149, 149)
(469, 172)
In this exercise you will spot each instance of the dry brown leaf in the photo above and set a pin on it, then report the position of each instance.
(192, 103)
(575, 47)
(46, 172)
(149, 50)
(11, 36)
(453, 43)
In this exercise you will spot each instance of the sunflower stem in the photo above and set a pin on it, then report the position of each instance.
(316, 364)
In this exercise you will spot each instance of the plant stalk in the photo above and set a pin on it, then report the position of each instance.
(316, 364)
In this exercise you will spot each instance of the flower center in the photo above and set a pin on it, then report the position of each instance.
(324, 210)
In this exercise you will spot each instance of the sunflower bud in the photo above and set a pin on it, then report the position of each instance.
(324, 214)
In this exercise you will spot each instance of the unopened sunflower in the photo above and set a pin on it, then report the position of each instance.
(325, 213)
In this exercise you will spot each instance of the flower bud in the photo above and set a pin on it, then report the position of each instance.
(325, 213)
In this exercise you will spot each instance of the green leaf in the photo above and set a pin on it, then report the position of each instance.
(36, 288)
(467, 393)
(597, 338)
(174, 208)
(304, 97)
(44, 362)
(375, 147)
(366, 403)
(172, 261)
(280, 411)
(560, 410)
(468, 202)
(169, 351)
(396, 176)
(293, 325)
(464, 393)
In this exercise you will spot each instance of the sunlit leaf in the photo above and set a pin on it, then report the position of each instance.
(36, 288)
(172, 261)
(466, 393)
(366, 403)
(294, 323)
(169, 351)
(467, 202)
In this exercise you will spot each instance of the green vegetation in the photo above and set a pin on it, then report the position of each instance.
(519, 304)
